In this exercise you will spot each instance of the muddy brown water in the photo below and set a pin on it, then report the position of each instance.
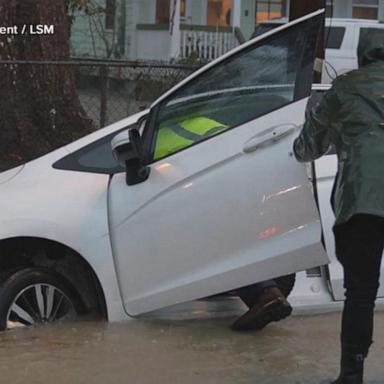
(197, 347)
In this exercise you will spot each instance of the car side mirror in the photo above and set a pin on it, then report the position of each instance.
(128, 151)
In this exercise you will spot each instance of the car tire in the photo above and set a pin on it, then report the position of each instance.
(34, 296)
(286, 283)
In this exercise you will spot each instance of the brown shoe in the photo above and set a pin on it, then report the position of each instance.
(270, 306)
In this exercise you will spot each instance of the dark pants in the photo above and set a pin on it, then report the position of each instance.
(359, 248)
(250, 293)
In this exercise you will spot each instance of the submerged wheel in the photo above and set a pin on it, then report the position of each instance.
(32, 296)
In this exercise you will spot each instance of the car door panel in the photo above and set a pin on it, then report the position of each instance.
(218, 215)
(192, 212)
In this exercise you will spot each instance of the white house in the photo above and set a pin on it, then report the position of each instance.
(185, 29)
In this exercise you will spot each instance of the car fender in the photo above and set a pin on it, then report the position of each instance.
(66, 207)
(95, 251)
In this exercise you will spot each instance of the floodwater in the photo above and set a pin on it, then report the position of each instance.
(189, 345)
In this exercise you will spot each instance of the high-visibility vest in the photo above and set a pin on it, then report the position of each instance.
(172, 137)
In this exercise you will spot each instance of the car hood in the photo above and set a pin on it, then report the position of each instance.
(38, 200)
(10, 174)
(33, 170)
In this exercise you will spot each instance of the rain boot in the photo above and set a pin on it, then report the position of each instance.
(352, 365)
(270, 305)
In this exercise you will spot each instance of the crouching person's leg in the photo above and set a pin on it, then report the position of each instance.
(266, 304)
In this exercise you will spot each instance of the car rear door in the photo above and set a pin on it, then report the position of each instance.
(231, 207)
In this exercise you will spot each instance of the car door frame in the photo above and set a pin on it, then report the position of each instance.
(150, 126)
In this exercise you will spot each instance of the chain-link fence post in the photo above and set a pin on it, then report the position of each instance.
(103, 95)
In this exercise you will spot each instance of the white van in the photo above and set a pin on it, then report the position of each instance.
(342, 39)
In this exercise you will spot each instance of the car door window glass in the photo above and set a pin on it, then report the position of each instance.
(260, 79)
(95, 157)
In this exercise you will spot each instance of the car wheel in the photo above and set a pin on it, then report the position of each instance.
(32, 296)
(286, 283)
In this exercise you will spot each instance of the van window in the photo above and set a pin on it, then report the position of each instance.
(334, 37)
(365, 32)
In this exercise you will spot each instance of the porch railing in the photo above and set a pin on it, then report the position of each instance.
(198, 42)
(206, 43)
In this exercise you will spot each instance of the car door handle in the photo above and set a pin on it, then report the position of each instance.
(268, 137)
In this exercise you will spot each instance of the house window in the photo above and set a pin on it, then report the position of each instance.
(110, 12)
(365, 9)
(219, 13)
(163, 10)
(270, 9)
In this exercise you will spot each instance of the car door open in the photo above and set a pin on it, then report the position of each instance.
(226, 204)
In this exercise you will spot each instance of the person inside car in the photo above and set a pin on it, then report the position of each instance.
(265, 301)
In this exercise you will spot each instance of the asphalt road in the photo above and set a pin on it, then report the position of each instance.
(187, 344)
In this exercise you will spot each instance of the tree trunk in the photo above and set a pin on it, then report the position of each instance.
(300, 8)
(39, 106)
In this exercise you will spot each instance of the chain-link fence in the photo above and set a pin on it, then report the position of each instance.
(111, 90)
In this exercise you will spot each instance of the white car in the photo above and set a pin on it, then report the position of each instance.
(81, 231)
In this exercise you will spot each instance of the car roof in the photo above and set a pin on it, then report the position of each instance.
(355, 21)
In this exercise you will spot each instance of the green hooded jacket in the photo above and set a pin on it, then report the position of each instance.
(351, 118)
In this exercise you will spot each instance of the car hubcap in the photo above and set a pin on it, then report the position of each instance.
(39, 303)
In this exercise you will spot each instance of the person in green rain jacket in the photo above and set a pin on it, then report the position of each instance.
(350, 118)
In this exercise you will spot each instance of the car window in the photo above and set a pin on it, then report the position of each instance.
(366, 32)
(334, 37)
(96, 157)
(255, 81)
